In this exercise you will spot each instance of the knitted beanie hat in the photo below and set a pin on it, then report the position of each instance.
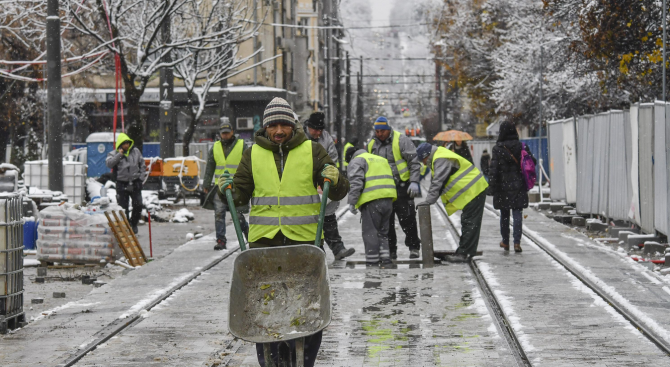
(278, 111)
(382, 124)
(423, 150)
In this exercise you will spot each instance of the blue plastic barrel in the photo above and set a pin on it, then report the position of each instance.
(29, 235)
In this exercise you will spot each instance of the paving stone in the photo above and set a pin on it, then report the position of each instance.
(39, 280)
(614, 231)
(596, 226)
(638, 240)
(41, 271)
(650, 248)
(565, 219)
(59, 294)
(88, 280)
(37, 301)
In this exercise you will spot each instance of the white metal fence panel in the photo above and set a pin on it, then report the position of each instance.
(570, 160)
(634, 211)
(602, 137)
(556, 163)
(660, 163)
(646, 166)
(618, 194)
(584, 165)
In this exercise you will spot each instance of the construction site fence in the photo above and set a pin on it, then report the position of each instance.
(614, 164)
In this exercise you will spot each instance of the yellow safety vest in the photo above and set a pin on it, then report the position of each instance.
(400, 163)
(379, 183)
(291, 204)
(229, 163)
(462, 186)
(344, 152)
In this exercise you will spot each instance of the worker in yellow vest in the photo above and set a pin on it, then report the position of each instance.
(461, 186)
(372, 191)
(349, 145)
(400, 152)
(279, 175)
(224, 155)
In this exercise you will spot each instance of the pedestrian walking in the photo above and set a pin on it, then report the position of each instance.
(129, 171)
(461, 186)
(400, 152)
(279, 175)
(224, 155)
(314, 130)
(507, 183)
(372, 191)
(461, 148)
(484, 163)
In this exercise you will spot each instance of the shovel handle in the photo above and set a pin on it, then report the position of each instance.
(322, 211)
(233, 214)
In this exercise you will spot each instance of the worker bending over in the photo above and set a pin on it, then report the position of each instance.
(314, 129)
(373, 192)
(279, 175)
(461, 186)
(224, 155)
(400, 152)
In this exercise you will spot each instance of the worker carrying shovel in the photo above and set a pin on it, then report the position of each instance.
(284, 167)
(461, 186)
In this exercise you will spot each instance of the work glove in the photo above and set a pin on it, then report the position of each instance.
(352, 209)
(414, 190)
(423, 203)
(331, 173)
(225, 180)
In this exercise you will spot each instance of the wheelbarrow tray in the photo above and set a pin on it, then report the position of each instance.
(279, 293)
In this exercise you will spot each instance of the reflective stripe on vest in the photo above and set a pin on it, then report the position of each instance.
(344, 152)
(462, 186)
(291, 204)
(229, 163)
(379, 183)
(400, 164)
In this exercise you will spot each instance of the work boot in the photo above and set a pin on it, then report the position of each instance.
(344, 252)
(371, 264)
(458, 258)
(387, 264)
(220, 245)
(394, 255)
(135, 229)
(517, 247)
(414, 254)
(504, 246)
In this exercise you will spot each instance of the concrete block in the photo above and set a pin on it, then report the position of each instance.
(59, 295)
(565, 219)
(639, 239)
(544, 206)
(623, 235)
(614, 231)
(650, 248)
(37, 301)
(39, 280)
(534, 197)
(578, 221)
(596, 226)
(41, 272)
(88, 280)
(98, 284)
(555, 207)
(572, 212)
(566, 209)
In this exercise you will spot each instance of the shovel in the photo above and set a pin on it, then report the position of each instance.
(238, 326)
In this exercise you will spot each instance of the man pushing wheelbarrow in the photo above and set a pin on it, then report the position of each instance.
(279, 175)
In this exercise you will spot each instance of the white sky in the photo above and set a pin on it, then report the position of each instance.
(381, 11)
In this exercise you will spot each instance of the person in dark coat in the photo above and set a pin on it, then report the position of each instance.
(507, 183)
(461, 148)
(484, 163)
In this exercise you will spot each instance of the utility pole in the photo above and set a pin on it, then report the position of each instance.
(167, 117)
(337, 98)
(349, 125)
(363, 127)
(664, 43)
(54, 98)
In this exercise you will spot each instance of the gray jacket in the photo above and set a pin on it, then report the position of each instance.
(407, 151)
(327, 143)
(444, 167)
(356, 170)
(129, 168)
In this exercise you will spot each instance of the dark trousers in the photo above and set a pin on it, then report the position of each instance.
(517, 215)
(471, 224)
(331, 234)
(287, 350)
(123, 198)
(404, 208)
(375, 220)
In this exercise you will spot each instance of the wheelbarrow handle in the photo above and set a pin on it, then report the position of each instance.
(233, 214)
(322, 211)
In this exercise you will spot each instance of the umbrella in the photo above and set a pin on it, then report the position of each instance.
(452, 135)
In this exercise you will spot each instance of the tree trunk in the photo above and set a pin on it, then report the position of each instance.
(188, 134)
(134, 123)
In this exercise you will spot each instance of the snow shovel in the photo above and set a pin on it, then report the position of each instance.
(278, 294)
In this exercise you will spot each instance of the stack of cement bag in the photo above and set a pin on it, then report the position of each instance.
(69, 234)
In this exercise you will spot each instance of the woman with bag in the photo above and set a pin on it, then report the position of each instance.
(508, 184)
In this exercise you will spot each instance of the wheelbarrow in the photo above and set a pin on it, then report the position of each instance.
(278, 294)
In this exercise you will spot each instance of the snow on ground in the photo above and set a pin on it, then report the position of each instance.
(182, 216)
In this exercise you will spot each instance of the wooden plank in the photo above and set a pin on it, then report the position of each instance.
(117, 235)
(133, 258)
(132, 233)
(126, 238)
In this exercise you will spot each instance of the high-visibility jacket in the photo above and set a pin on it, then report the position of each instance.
(229, 163)
(291, 204)
(379, 183)
(400, 163)
(344, 152)
(462, 186)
